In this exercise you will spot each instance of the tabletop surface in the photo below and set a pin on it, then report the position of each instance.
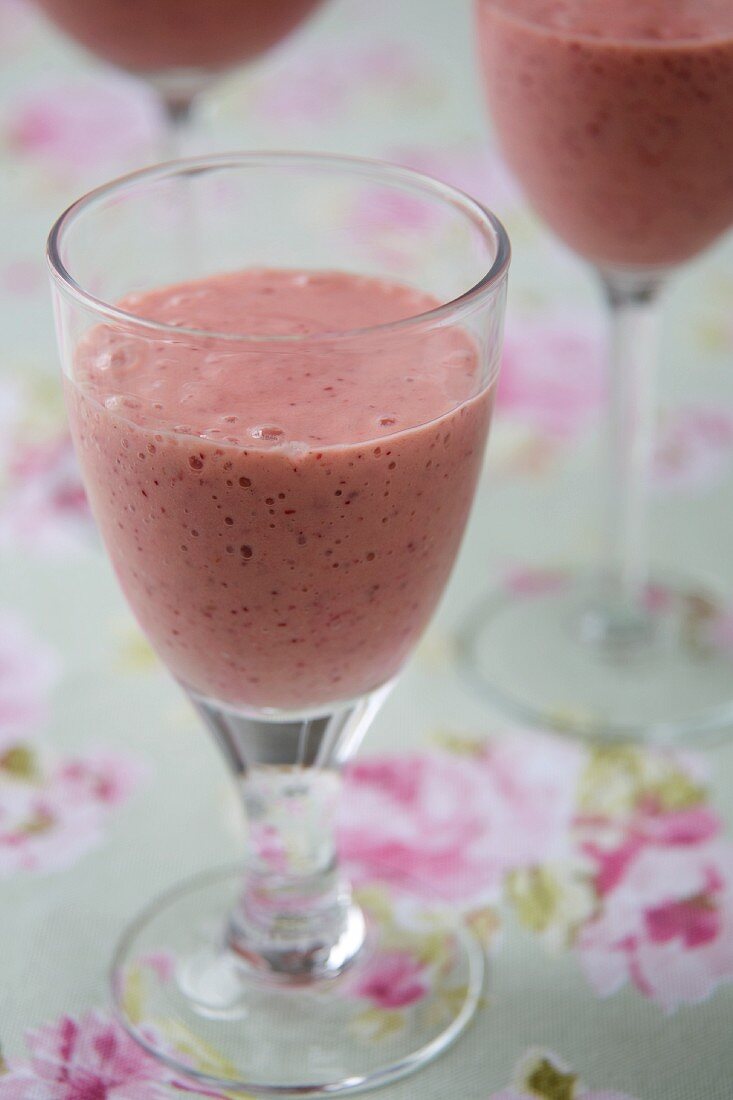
(601, 880)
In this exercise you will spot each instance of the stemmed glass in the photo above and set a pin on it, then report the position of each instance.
(618, 122)
(179, 46)
(283, 566)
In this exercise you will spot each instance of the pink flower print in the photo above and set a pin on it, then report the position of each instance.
(552, 375)
(85, 127)
(381, 220)
(459, 824)
(720, 632)
(695, 921)
(41, 830)
(22, 277)
(380, 211)
(162, 963)
(475, 169)
(11, 413)
(542, 1075)
(17, 17)
(688, 826)
(89, 1059)
(520, 580)
(392, 979)
(313, 85)
(50, 826)
(267, 843)
(45, 508)
(101, 776)
(647, 826)
(666, 925)
(28, 671)
(553, 379)
(657, 598)
(612, 843)
(694, 449)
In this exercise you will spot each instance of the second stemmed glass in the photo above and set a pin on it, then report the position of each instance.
(280, 432)
(618, 122)
(179, 46)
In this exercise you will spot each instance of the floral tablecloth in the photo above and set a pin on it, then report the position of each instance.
(601, 880)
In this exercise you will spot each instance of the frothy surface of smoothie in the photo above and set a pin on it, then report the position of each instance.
(283, 516)
(156, 35)
(617, 119)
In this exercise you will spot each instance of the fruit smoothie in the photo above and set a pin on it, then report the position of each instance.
(617, 118)
(150, 36)
(282, 516)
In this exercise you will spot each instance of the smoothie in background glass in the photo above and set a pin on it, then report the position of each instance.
(178, 46)
(150, 36)
(282, 524)
(616, 116)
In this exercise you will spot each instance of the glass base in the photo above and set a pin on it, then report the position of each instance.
(192, 1003)
(546, 651)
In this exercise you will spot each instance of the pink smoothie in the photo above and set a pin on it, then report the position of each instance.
(156, 35)
(617, 117)
(282, 517)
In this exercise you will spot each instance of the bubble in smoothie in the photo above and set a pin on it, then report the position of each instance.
(118, 358)
(267, 433)
(121, 402)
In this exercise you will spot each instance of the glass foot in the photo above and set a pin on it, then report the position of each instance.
(192, 1003)
(545, 651)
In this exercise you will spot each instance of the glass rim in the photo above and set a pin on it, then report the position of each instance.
(483, 218)
(612, 41)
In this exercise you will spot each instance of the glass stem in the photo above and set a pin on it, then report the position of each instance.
(296, 920)
(633, 302)
(178, 100)
(177, 113)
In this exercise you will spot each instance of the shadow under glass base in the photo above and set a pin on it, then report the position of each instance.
(189, 1000)
(541, 651)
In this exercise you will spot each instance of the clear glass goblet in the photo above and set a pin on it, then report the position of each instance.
(617, 120)
(179, 46)
(283, 573)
